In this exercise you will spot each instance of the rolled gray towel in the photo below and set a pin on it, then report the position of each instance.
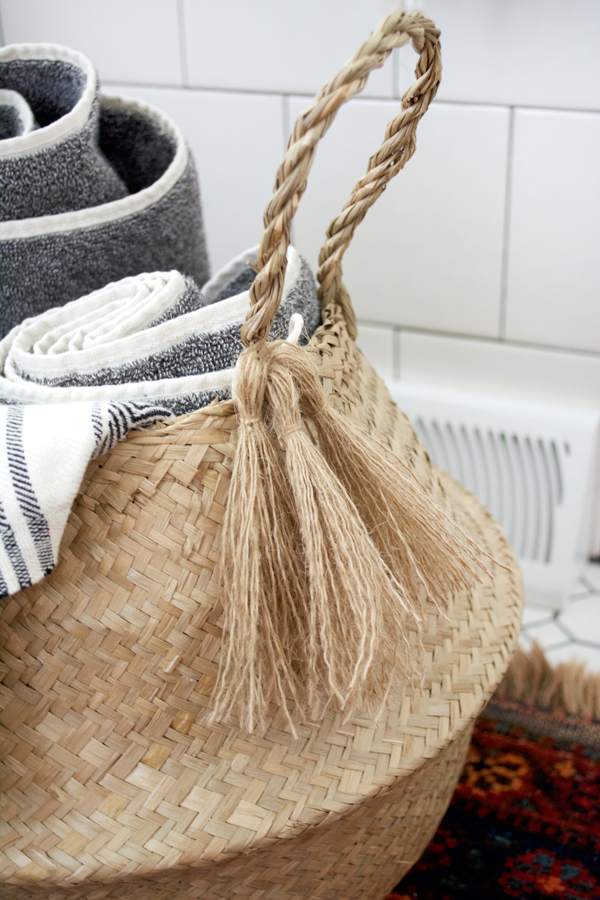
(105, 188)
(59, 167)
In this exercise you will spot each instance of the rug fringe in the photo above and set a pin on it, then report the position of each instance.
(531, 678)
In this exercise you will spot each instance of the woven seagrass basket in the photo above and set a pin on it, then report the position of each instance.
(111, 786)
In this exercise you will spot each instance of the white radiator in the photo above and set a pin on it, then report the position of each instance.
(535, 467)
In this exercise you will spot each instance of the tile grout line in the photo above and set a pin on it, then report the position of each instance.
(506, 231)
(508, 105)
(252, 92)
(481, 338)
(360, 98)
(583, 643)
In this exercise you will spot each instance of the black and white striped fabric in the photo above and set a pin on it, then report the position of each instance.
(44, 452)
(76, 379)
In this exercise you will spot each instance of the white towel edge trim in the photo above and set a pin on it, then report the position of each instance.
(152, 391)
(134, 347)
(25, 144)
(116, 209)
(19, 347)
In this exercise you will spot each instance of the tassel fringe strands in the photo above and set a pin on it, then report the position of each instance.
(329, 553)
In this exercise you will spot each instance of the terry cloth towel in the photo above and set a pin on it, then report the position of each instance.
(77, 378)
(104, 188)
(59, 167)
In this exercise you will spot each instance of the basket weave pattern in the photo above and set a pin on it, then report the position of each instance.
(108, 662)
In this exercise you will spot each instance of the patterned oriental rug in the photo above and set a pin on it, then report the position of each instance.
(525, 817)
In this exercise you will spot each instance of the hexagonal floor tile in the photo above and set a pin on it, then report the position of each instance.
(582, 619)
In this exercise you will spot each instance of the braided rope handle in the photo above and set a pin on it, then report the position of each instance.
(290, 183)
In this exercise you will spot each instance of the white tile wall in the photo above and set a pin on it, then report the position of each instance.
(526, 373)
(429, 253)
(554, 261)
(272, 46)
(437, 252)
(127, 40)
(520, 52)
(223, 128)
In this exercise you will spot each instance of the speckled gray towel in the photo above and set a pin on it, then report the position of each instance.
(77, 378)
(104, 188)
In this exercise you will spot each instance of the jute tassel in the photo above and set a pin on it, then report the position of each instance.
(329, 552)
(420, 544)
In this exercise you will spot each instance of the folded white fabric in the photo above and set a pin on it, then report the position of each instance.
(77, 378)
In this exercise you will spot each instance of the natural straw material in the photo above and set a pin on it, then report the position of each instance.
(113, 787)
(113, 790)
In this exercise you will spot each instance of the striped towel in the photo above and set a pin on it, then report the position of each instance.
(77, 378)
